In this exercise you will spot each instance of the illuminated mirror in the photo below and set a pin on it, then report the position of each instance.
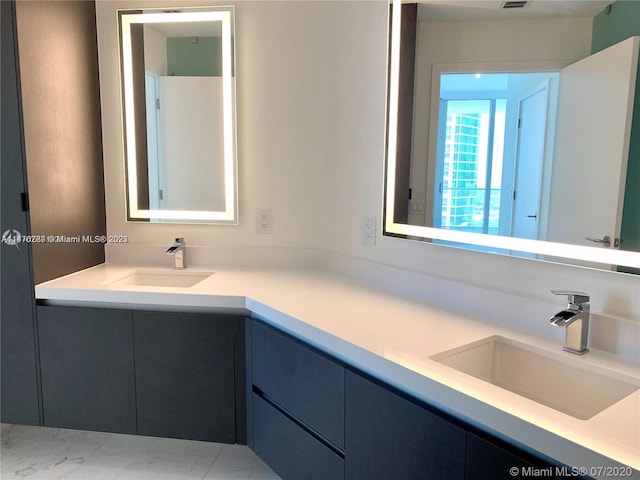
(178, 77)
(511, 131)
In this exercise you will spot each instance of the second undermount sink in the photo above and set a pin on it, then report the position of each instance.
(176, 278)
(558, 382)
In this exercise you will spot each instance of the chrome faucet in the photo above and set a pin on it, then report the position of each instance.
(576, 320)
(179, 252)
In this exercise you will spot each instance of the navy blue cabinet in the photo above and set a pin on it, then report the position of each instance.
(305, 383)
(86, 358)
(313, 417)
(175, 375)
(488, 460)
(290, 448)
(297, 407)
(390, 437)
(186, 374)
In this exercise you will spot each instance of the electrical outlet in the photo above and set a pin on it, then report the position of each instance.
(264, 221)
(369, 231)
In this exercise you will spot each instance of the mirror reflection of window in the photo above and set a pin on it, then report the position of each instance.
(493, 132)
(470, 152)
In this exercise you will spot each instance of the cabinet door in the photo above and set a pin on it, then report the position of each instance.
(86, 358)
(486, 460)
(306, 384)
(388, 436)
(185, 375)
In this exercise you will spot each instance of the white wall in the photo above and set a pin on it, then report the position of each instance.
(285, 117)
(155, 51)
(311, 121)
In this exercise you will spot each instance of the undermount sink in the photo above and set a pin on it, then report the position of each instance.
(176, 278)
(552, 380)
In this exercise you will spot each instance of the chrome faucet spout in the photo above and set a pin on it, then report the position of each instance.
(179, 252)
(564, 318)
(575, 320)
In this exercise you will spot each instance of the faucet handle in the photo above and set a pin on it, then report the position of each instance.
(574, 297)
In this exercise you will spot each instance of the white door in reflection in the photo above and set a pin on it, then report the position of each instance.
(592, 146)
(532, 124)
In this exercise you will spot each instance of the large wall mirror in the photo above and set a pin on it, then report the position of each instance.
(178, 84)
(512, 130)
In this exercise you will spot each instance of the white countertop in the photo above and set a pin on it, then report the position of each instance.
(392, 338)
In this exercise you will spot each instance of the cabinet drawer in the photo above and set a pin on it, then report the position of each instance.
(306, 384)
(288, 449)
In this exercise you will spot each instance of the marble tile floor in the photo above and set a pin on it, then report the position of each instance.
(40, 453)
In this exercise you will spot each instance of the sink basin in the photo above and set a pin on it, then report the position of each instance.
(561, 383)
(163, 279)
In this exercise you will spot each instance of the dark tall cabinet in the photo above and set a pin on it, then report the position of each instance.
(50, 136)
(19, 372)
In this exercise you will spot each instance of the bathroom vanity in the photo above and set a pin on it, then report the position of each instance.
(322, 376)
(153, 373)
(334, 379)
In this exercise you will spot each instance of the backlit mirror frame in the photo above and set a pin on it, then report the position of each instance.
(226, 16)
(599, 255)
